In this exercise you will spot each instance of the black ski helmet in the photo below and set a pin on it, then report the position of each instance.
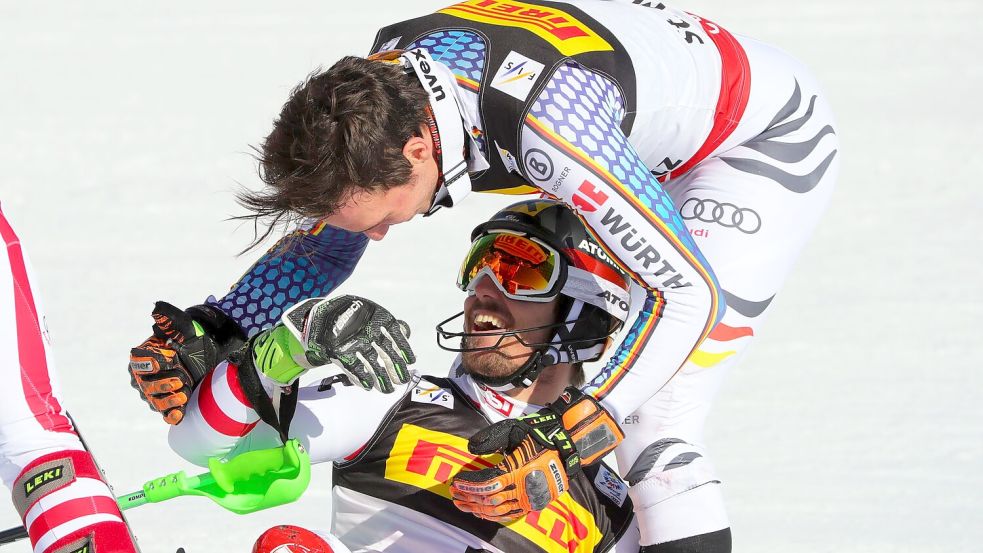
(595, 295)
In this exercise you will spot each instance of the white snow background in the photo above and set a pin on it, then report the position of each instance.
(853, 426)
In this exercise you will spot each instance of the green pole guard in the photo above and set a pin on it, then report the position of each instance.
(131, 500)
(249, 482)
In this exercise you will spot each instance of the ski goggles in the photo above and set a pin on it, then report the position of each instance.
(522, 267)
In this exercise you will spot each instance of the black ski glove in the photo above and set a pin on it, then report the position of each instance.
(166, 367)
(358, 335)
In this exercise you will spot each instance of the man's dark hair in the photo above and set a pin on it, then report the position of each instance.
(577, 375)
(341, 130)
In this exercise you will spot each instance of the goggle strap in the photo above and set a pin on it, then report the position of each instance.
(589, 288)
(449, 120)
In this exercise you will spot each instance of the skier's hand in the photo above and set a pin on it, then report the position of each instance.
(166, 367)
(357, 334)
(542, 450)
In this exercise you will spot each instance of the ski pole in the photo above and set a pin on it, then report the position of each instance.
(249, 482)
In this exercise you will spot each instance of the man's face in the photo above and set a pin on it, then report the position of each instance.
(488, 311)
(374, 212)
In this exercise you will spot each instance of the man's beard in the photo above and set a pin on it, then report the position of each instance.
(490, 363)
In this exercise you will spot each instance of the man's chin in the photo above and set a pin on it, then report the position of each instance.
(488, 364)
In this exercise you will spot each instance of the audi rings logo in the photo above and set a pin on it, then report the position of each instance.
(724, 214)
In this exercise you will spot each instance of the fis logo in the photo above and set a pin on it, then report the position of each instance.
(434, 395)
(518, 71)
(517, 75)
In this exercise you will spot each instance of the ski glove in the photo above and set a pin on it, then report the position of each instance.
(542, 451)
(357, 334)
(166, 367)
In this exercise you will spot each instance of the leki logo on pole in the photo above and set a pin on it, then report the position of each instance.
(49, 474)
(568, 35)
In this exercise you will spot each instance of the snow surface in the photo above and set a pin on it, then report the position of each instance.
(854, 425)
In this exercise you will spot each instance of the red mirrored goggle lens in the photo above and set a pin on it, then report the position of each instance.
(521, 266)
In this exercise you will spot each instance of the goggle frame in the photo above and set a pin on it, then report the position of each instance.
(554, 284)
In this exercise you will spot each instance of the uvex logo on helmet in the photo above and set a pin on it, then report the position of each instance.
(435, 89)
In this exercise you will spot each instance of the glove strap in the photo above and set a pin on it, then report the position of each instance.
(277, 411)
(215, 321)
(279, 355)
(546, 427)
(593, 431)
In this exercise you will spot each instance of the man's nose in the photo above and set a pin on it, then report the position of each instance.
(486, 286)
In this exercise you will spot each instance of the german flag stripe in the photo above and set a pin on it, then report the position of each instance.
(724, 333)
(467, 83)
(628, 358)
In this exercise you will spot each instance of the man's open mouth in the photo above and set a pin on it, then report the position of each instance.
(487, 322)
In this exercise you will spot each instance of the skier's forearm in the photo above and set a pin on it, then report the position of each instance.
(220, 420)
(216, 419)
(307, 263)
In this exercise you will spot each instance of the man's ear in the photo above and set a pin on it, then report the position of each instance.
(419, 149)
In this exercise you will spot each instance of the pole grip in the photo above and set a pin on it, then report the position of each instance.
(166, 487)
